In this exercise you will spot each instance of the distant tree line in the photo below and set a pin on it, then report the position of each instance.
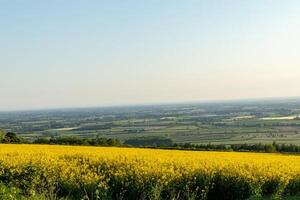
(10, 137)
(79, 141)
(269, 148)
(151, 142)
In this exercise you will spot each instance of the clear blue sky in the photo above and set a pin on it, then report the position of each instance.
(95, 53)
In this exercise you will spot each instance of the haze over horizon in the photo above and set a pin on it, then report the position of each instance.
(124, 105)
(77, 54)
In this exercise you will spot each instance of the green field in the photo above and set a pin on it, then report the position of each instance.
(216, 123)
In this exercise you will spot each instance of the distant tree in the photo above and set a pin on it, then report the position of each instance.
(269, 148)
(11, 137)
(100, 141)
(2, 134)
(41, 141)
(150, 141)
(113, 142)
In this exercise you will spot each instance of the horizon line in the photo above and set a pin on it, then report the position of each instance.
(149, 104)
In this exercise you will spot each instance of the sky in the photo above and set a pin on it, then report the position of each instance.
(77, 53)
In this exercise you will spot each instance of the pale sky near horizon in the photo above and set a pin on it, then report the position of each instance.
(94, 53)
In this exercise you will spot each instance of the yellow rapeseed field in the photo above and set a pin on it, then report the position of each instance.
(132, 173)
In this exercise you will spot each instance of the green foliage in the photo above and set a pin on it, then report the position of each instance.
(11, 137)
(30, 185)
(13, 193)
(230, 188)
(150, 141)
(268, 148)
(79, 141)
(2, 134)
